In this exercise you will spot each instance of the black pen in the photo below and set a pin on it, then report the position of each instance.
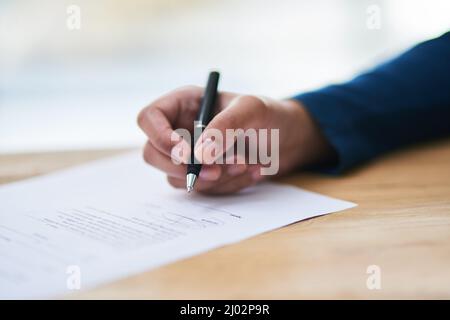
(205, 114)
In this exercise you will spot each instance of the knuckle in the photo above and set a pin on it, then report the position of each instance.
(252, 101)
(258, 108)
(162, 141)
(148, 154)
(141, 117)
(188, 88)
(151, 110)
(231, 122)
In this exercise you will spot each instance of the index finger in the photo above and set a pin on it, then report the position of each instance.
(159, 118)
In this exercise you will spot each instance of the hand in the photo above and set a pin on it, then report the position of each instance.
(300, 140)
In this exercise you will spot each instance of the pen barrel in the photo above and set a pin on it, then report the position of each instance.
(205, 114)
(194, 168)
(209, 99)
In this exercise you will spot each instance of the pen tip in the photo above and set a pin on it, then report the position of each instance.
(190, 181)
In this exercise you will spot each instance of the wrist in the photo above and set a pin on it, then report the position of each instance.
(313, 147)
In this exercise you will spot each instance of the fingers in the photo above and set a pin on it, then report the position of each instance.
(159, 118)
(177, 110)
(177, 170)
(243, 112)
(202, 183)
(227, 183)
(239, 183)
(163, 162)
(249, 178)
(217, 187)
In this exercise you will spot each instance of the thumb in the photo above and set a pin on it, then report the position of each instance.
(243, 112)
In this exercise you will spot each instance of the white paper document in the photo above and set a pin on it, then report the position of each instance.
(113, 218)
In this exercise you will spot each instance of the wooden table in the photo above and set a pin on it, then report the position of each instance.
(402, 225)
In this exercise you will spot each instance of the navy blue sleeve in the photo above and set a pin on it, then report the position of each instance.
(403, 101)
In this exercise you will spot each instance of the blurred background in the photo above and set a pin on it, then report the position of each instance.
(74, 74)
